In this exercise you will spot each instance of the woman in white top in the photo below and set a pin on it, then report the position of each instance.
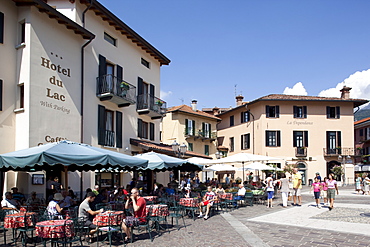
(284, 189)
(53, 209)
(270, 190)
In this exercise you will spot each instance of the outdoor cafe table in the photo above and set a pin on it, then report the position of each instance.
(225, 196)
(55, 229)
(158, 210)
(109, 218)
(151, 198)
(189, 202)
(17, 220)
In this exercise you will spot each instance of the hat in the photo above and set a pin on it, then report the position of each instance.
(14, 188)
(58, 197)
(317, 173)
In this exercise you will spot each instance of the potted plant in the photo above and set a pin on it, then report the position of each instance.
(124, 85)
(159, 103)
(338, 171)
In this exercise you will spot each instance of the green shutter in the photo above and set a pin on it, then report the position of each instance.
(186, 127)
(193, 127)
(118, 129)
(101, 125)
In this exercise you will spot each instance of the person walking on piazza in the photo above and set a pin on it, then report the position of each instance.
(324, 191)
(358, 181)
(227, 179)
(332, 188)
(297, 186)
(316, 187)
(366, 182)
(284, 189)
(270, 189)
(209, 198)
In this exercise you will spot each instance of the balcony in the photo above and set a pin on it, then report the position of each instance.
(301, 152)
(204, 136)
(338, 151)
(111, 88)
(152, 106)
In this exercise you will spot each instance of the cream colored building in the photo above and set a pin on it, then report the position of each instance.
(73, 70)
(313, 133)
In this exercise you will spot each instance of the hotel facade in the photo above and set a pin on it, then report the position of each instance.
(72, 70)
(312, 133)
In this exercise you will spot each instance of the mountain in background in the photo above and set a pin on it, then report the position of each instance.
(363, 113)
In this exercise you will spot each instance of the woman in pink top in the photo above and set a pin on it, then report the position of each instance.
(332, 187)
(316, 187)
(324, 191)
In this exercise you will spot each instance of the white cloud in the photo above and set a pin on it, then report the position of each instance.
(358, 81)
(297, 89)
(164, 94)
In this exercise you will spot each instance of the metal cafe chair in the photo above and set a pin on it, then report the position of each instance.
(110, 229)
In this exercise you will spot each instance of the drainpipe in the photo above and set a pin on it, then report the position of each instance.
(82, 90)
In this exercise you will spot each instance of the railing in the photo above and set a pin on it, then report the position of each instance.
(338, 151)
(301, 152)
(109, 138)
(149, 102)
(110, 84)
(207, 134)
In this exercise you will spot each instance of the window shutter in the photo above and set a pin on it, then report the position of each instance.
(193, 127)
(102, 73)
(151, 131)
(278, 138)
(119, 73)
(152, 90)
(186, 127)
(118, 129)
(338, 111)
(248, 141)
(339, 138)
(365, 133)
(1, 95)
(1, 27)
(328, 141)
(294, 138)
(277, 111)
(210, 131)
(139, 128)
(242, 120)
(267, 111)
(101, 125)
(242, 142)
(204, 129)
(328, 111)
(305, 138)
(140, 86)
(267, 138)
(294, 111)
(304, 111)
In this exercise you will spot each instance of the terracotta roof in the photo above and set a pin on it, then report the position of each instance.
(362, 120)
(188, 109)
(163, 148)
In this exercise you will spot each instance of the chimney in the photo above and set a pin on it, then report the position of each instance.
(239, 100)
(345, 92)
(194, 105)
(215, 110)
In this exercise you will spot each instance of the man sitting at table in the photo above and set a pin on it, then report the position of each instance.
(139, 205)
(208, 200)
(240, 195)
(9, 204)
(67, 200)
(18, 196)
(33, 200)
(87, 214)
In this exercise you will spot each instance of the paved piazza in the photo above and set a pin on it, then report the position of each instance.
(346, 225)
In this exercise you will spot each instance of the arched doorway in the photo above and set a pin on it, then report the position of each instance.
(329, 167)
(302, 169)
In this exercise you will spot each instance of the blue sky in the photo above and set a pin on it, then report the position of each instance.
(262, 47)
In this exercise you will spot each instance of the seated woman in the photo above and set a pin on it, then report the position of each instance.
(220, 190)
(53, 209)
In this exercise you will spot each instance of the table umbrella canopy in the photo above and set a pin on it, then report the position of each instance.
(201, 161)
(259, 166)
(245, 157)
(220, 167)
(75, 155)
(162, 162)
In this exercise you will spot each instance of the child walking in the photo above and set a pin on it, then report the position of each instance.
(316, 187)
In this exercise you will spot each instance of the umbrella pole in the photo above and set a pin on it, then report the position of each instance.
(66, 177)
(243, 172)
(81, 185)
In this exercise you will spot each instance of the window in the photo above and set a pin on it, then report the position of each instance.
(361, 132)
(300, 139)
(333, 112)
(108, 122)
(245, 141)
(145, 63)
(190, 147)
(1, 95)
(151, 131)
(231, 121)
(273, 138)
(245, 117)
(333, 142)
(272, 111)
(142, 129)
(189, 127)
(1, 27)
(22, 32)
(21, 96)
(206, 129)
(231, 143)
(367, 133)
(110, 39)
(300, 111)
(206, 149)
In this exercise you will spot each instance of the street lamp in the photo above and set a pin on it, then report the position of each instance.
(218, 155)
(344, 159)
(178, 149)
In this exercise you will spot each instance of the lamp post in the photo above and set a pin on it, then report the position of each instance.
(343, 160)
(180, 151)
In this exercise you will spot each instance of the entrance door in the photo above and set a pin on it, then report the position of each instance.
(329, 167)
(302, 169)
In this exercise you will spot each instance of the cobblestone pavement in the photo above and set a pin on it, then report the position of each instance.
(217, 231)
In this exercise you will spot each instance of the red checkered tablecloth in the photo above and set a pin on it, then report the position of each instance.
(17, 220)
(189, 202)
(109, 217)
(150, 198)
(158, 209)
(55, 229)
(225, 196)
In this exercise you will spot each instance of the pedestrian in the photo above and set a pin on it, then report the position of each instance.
(55, 185)
(227, 179)
(332, 187)
(297, 186)
(366, 183)
(316, 187)
(284, 189)
(324, 191)
(270, 190)
(358, 181)
(318, 176)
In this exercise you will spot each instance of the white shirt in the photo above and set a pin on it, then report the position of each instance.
(6, 203)
(241, 191)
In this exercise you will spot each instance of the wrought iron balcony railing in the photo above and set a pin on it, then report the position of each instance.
(151, 105)
(301, 152)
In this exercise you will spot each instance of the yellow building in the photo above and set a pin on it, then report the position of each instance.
(195, 128)
(313, 133)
